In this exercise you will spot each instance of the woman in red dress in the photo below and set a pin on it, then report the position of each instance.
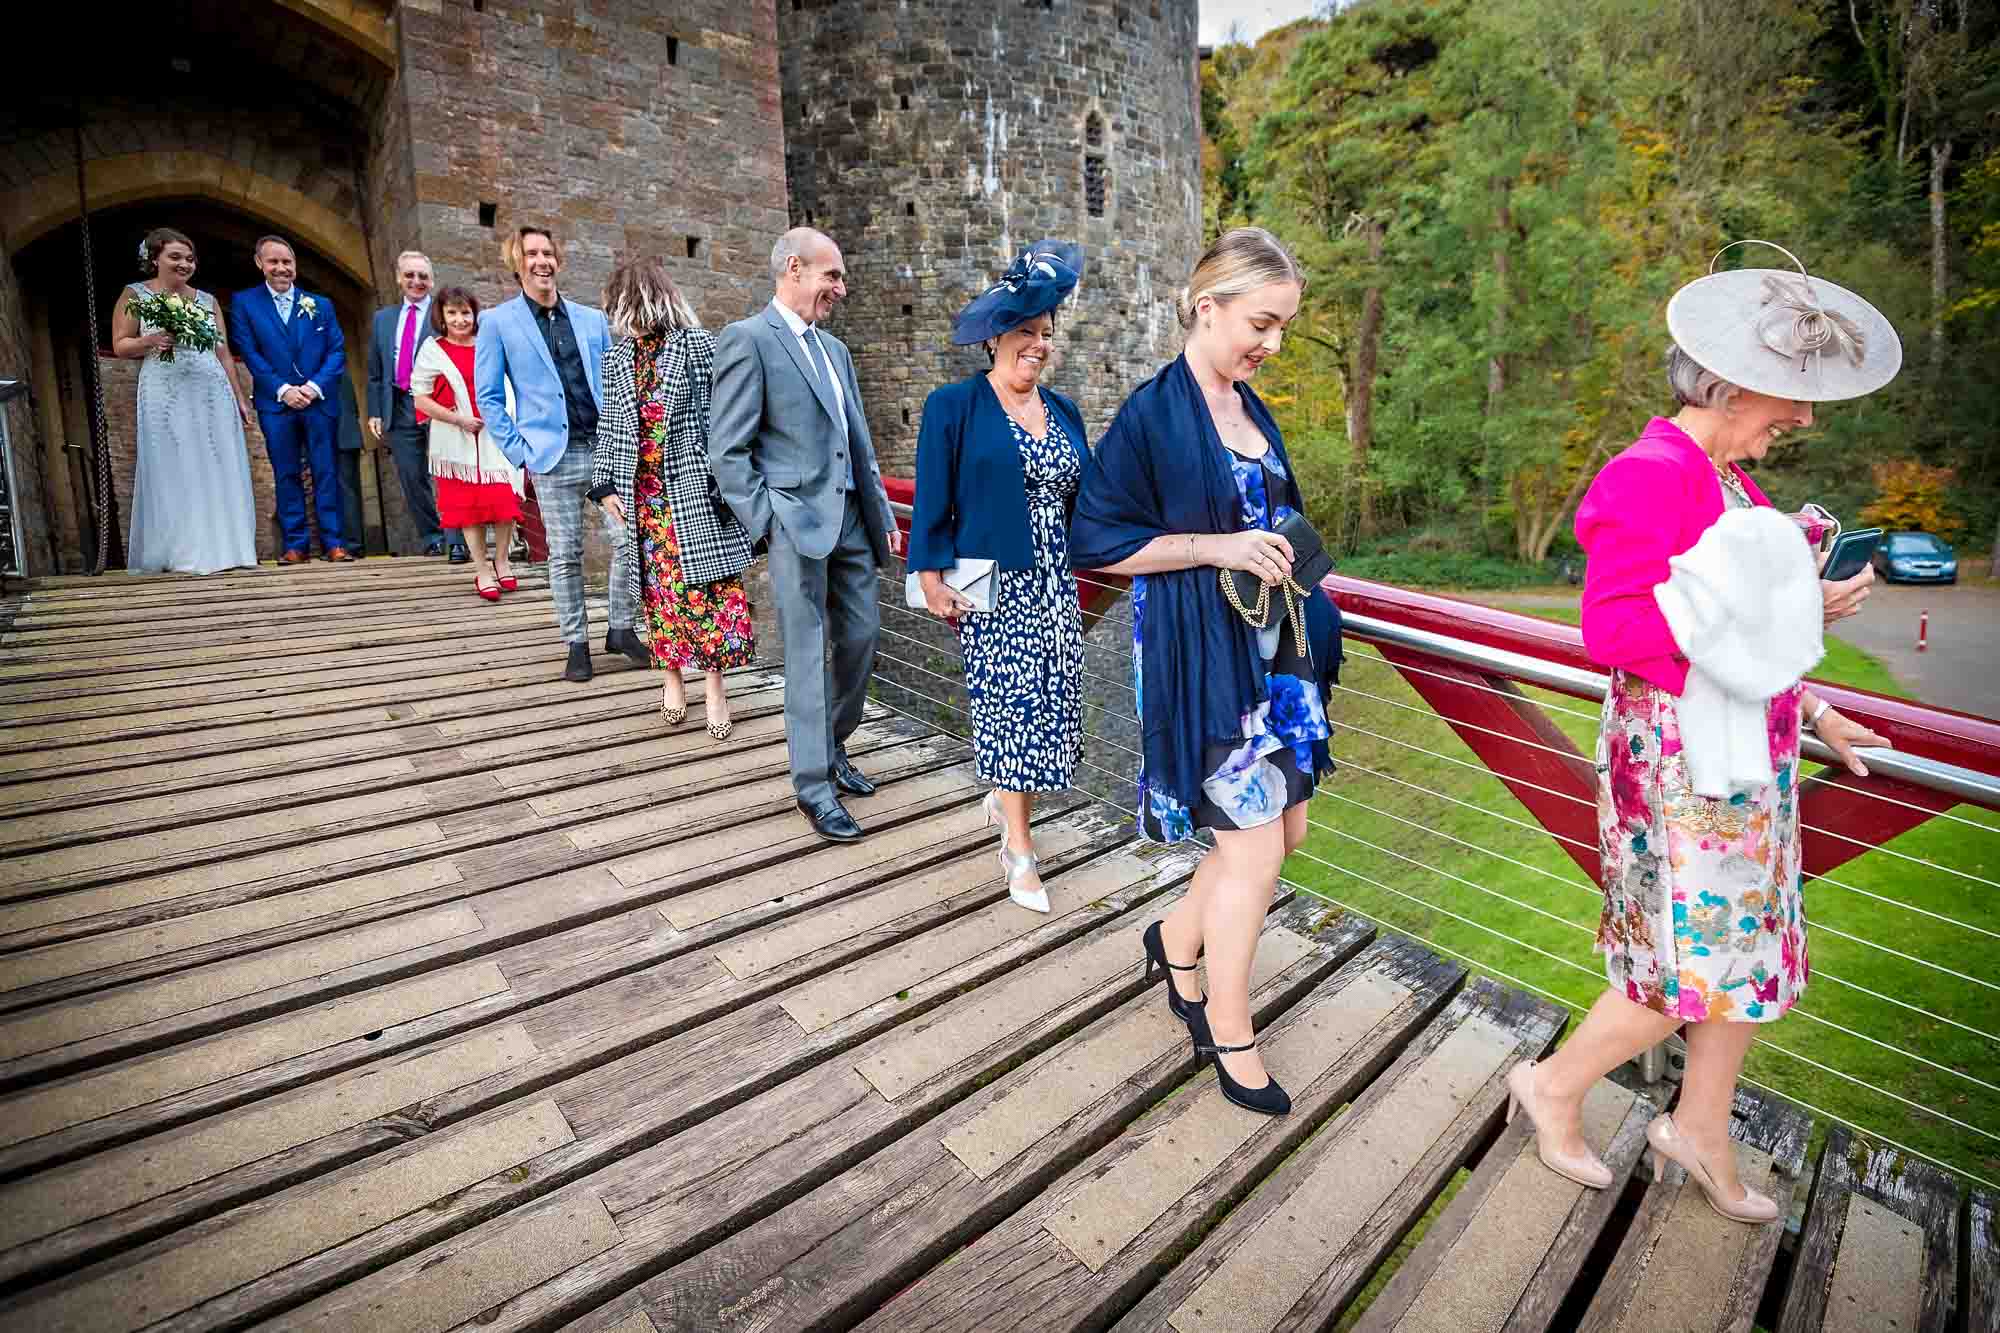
(476, 485)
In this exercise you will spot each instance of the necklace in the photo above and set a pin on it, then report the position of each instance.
(1017, 412)
(1723, 472)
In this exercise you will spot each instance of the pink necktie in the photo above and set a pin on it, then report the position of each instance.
(406, 350)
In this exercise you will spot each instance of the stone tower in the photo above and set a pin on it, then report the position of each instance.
(933, 139)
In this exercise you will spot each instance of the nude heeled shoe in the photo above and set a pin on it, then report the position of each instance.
(1586, 1169)
(1669, 1144)
(1018, 866)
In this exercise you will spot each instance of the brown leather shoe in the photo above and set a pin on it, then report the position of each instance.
(338, 554)
(293, 558)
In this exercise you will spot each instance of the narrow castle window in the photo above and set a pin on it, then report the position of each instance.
(487, 213)
(673, 50)
(694, 247)
(1096, 172)
(909, 310)
(910, 209)
(906, 101)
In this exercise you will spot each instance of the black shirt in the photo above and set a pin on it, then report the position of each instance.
(577, 400)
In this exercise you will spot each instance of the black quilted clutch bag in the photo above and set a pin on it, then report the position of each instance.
(1259, 603)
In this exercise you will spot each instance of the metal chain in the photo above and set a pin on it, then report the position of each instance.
(97, 475)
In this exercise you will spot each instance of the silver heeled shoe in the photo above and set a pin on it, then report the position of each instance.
(1586, 1169)
(1669, 1144)
(1017, 866)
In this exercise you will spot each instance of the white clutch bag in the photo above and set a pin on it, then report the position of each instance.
(974, 580)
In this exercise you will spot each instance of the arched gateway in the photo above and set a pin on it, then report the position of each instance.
(357, 129)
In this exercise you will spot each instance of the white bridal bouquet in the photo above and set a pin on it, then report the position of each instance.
(187, 320)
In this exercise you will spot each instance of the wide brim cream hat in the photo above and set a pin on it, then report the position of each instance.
(1784, 333)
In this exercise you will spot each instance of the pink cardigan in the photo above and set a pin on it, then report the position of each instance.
(1650, 503)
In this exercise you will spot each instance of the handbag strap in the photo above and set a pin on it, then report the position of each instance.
(1255, 615)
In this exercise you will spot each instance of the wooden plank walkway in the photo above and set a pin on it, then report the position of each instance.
(356, 973)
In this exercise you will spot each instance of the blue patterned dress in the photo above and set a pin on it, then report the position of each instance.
(1271, 769)
(1024, 658)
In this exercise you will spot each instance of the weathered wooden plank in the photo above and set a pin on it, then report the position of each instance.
(276, 605)
(616, 1105)
(538, 971)
(829, 1258)
(1982, 1262)
(177, 1274)
(1682, 1265)
(51, 1026)
(1502, 1258)
(460, 799)
(1297, 1250)
(527, 899)
(673, 1198)
(133, 1083)
(1880, 1246)
(124, 1177)
(19, 919)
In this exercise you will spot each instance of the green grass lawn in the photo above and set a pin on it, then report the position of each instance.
(1423, 850)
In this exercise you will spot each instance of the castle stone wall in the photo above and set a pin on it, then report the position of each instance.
(934, 141)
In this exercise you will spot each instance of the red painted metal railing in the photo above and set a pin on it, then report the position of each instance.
(1545, 770)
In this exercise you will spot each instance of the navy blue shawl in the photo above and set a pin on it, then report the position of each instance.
(1161, 470)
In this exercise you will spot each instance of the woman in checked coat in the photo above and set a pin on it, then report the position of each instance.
(652, 478)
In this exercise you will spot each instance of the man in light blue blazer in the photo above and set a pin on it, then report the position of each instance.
(552, 351)
(296, 354)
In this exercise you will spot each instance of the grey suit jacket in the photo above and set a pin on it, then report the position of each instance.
(773, 444)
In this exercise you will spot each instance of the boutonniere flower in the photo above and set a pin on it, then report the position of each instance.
(309, 306)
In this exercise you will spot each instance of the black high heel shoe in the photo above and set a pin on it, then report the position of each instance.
(1267, 1100)
(1188, 1011)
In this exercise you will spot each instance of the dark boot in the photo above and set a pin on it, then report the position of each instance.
(626, 642)
(579, 668)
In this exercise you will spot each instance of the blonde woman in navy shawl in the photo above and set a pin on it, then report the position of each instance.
(1192, 478)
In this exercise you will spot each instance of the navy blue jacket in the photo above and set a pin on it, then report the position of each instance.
(972, 497)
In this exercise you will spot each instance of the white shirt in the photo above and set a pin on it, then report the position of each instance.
(815, 360)
(285, 301)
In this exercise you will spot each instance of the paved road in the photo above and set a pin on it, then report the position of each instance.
(1961, 668)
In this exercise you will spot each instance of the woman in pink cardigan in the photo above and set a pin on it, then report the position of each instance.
(1704, 923)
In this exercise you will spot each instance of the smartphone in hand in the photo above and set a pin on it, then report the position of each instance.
(1850, 554)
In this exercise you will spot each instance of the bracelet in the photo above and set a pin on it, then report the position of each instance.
(1193, 561)
(1813, 721)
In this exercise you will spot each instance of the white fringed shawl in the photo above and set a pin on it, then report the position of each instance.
(453, 452)
(1744, 606)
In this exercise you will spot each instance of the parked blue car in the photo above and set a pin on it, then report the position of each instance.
(1916, 557)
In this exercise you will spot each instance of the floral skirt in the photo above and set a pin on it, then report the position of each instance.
(705, 625)
(1703, 912)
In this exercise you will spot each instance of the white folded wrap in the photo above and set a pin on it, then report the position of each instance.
(1744, 606)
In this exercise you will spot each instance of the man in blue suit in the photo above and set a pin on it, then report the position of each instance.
(292, 344)
(552, 350)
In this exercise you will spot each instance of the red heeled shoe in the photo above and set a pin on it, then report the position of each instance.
(479, 586)
(508, 583)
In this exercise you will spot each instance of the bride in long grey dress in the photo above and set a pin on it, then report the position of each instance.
(192, 508)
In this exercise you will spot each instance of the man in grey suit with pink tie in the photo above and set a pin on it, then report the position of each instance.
(790, 449)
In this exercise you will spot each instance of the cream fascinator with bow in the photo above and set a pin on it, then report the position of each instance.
(1783, 333)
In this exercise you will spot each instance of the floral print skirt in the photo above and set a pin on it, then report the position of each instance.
(705, 625)
(1703, 913)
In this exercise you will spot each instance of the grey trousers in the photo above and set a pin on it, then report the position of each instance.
(561, 493)
(831, 604)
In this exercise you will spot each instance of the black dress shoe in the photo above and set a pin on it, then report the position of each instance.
(579, 668)
(831, 821)
(849, 778)
(459, 555)
(626, 642)
(1267, 1100)
(434, 548)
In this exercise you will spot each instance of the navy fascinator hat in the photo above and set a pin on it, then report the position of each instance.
(1040, 279)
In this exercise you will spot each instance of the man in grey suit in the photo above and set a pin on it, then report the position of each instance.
(790, 449)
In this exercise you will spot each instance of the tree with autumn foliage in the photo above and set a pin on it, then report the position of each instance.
(1912, 497)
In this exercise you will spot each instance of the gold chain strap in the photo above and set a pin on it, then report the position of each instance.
(1288, 589)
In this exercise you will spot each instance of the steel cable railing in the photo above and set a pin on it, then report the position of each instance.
(1842, 1029)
